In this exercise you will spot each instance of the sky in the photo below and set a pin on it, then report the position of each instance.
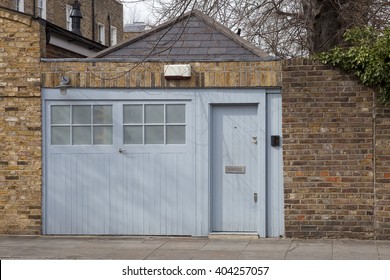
(136, 12)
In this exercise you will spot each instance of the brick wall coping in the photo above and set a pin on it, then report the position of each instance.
(136, 60)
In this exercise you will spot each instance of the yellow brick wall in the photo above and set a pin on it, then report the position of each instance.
(20, 124)
(150, 74)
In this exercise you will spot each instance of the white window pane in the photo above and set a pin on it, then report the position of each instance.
(81, 135)
(176, 113)
(113, 36)
(154, 113)
(176, 134)
(60, 135)
(154, 134)
(132, 114)
(81, 114)
(102, 114)
(101, 33)
(102, 135)
(60, 114)
(68, 18)
(132, 135)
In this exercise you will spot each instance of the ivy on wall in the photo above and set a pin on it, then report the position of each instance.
(367, 55)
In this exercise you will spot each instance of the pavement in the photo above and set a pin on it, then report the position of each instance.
(187, 248)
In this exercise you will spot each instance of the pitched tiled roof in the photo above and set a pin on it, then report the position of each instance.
(192, 37)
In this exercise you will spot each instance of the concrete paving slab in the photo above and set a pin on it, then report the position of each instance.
(355, 250)
(354, 256)
(267, 247)
(48, 243)
(262, 255)
(172, 254)
(383, 243)
(132, 246)
(184, 245)
(384, 256)
(37, 253)
(20, 241)
(225, 245)
(84, 253)
(271, 241)
(307, 256)
(217, 255)
(158, 240)
(306, 250)
(383, 250)
(126, 254)
(7, 252)
(69, 247)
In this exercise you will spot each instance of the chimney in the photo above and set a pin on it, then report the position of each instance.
(76, 18)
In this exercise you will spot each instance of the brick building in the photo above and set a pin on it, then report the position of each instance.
(102, 20)
(132, 143)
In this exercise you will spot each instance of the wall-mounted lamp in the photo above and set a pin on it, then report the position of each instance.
(64, 84)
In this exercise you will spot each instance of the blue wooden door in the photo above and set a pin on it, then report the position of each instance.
(235, 186)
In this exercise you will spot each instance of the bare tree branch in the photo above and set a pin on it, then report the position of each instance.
(286, 28)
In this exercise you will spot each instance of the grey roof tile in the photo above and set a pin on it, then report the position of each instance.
(192, 37)
(191, 44)
(198, 51)
(179, 51)
(216, 50)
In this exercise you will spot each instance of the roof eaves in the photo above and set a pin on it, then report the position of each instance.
(72, 36)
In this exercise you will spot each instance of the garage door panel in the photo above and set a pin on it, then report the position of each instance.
(159, 201)
(77, 200)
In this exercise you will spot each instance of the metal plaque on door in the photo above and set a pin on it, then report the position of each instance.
(235, 169)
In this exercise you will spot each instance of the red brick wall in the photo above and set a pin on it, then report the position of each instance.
(328, 152)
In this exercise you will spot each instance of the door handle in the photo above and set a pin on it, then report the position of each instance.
(254, 140)
(255, 197)
(121, 150)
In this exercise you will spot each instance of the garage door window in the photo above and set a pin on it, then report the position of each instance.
(81, 125)
(154, 124)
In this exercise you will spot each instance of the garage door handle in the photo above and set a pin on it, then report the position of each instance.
(121, 150)
(255, 197)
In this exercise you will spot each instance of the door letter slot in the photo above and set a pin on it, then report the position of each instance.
(235, 169)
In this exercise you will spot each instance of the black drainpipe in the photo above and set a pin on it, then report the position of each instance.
(93, 20)
(34, 8)
(109, 30)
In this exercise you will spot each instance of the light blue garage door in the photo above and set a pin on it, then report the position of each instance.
(119, 168)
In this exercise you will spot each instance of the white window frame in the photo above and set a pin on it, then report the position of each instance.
(19, 5)
(101, 33)
(42, 8)
(69, 9)
(72, 125)
(113, 35)
(163, 123)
